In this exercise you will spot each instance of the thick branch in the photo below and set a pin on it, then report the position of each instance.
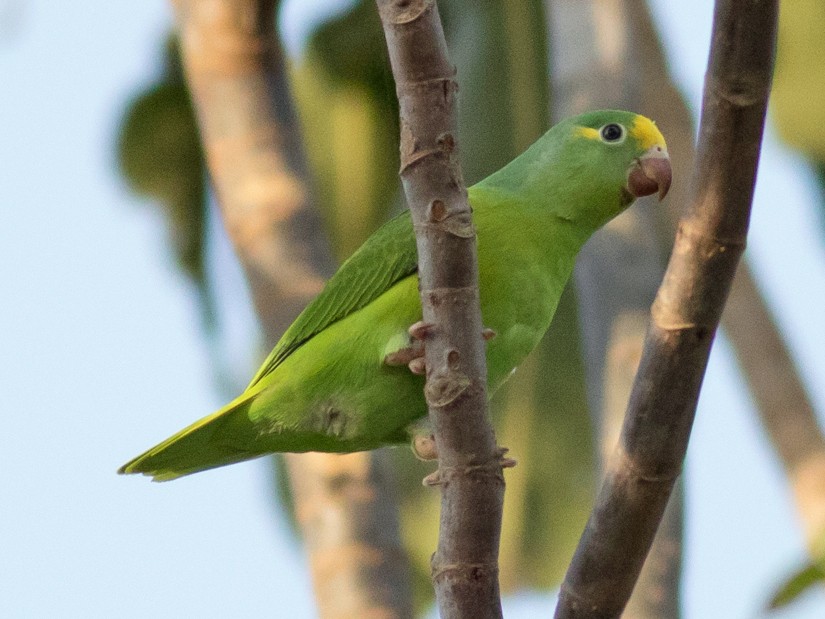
(685, 315)
(465, 566)
(235, 68)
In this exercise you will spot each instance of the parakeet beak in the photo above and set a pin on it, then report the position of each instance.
(650, 173)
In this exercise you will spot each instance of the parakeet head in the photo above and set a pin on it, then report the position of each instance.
(615, 138)
(590, 167)
(614, 157)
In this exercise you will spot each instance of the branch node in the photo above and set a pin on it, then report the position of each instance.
(505, 463)
(438, 211)
(694, 232)
(447, 142)
(402, 12)
(741, 92)
(470, 572)
(624, 462)
(491, 469)
(443, 390)
(439, 296)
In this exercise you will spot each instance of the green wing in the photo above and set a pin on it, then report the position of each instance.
(387, 257)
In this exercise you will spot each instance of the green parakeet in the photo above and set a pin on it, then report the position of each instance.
(327, 385)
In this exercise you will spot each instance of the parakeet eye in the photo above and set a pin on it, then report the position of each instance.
(612, 132)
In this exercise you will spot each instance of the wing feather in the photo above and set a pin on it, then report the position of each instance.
(387, 257)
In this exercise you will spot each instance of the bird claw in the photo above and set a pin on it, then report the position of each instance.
(413, 355)
(420, 330)
(418, 366)
(406, 355)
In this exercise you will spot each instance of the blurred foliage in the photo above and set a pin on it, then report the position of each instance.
(349, 117)
(798, 97)
(800, 582)
(161, 158)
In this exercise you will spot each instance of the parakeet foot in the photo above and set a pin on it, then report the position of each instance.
(420, 330)
(413, 356)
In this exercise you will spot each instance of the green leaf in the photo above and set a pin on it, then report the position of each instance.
(797, 584)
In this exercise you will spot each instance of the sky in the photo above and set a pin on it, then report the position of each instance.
(101, 356)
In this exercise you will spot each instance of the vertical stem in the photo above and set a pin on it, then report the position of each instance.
(465, 565)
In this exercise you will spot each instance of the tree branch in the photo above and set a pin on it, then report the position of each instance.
(782, 402)
(685, 315)
(235, 68)
(465, 566)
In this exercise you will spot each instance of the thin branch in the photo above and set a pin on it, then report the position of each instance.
(685, 315)
(465, 566)
(235, 68)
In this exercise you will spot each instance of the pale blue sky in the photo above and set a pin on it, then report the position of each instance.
(101, 356)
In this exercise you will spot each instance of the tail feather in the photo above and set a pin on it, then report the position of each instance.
(193, 449)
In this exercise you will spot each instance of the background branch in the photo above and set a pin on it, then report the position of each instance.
(782, 402)
(606, 54)
(235, 68)
(685, 315)
(465, 565)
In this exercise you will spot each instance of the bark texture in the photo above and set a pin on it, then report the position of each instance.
(685, 315)
(465, 565)
(235, 69)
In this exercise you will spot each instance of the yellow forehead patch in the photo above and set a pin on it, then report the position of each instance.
(587, 132)
(644, 131)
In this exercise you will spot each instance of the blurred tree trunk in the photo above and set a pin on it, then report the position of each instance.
(781, 400)
(597, 50)
(235, 69)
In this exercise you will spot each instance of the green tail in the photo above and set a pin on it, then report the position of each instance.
(193, 449)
